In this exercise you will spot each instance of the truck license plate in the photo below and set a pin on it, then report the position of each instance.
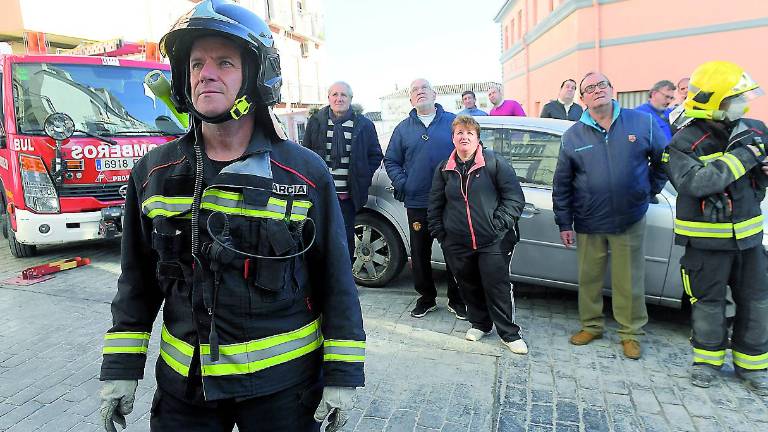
(115, 164)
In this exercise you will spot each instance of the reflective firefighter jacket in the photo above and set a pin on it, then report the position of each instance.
(235, 326)
(720, 184)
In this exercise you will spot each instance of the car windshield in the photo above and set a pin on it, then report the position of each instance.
(104, 100)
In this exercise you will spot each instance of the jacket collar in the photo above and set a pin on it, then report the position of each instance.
(438, 112)
(479, 160)
(587, 119)
(259, 143)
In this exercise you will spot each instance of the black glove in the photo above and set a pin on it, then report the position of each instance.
(399, 195)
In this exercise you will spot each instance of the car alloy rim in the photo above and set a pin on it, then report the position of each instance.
(371, 253)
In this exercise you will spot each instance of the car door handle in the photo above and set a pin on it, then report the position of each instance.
(529, 210)
(390, 188)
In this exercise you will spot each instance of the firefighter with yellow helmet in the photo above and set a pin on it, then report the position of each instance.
(717, 162)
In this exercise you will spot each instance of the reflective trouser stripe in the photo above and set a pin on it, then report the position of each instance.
(752, 362)
(748, 227)
(176, 353)
(708, 158)
(687, 285)
(734, 164)
(256, 355)
(703, 229)
(159, 205)
(715, 358)
(126, 343)
(343, 350)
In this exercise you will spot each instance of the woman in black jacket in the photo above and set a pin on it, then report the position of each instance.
(474, 205)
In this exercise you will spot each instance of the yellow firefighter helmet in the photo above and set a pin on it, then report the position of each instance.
(720, 90)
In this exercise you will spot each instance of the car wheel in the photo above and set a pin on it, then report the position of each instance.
(379, 251)
(18, 250)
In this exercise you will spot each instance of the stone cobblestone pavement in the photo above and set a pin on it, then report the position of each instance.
(421, 374)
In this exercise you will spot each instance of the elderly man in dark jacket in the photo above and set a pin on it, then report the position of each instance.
(608, 170)
(348, 143)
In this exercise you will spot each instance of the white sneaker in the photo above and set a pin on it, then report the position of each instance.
(518, 347)
(475, 335)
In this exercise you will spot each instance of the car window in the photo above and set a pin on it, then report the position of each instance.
(532, 154)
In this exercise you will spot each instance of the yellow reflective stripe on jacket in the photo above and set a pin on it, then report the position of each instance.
(715, 358)
(734, 164)
(751, 362)
(159, 205)
(748, 227)
(687, 285)
(259, 354)
(233, 203)
(665, 156)
(705, 159)
(343, 350)
(703, 229)
(176, 353)
(126, 343)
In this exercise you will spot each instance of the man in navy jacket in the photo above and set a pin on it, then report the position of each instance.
(608, 170)
(418, 145)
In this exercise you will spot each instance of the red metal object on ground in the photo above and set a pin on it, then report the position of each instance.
(54, 267)
(42, 272)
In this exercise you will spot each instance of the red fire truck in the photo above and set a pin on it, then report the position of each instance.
(71, 129)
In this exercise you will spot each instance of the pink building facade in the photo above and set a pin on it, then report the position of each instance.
(634, 42)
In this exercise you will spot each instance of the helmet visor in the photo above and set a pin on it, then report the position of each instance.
(745, 85)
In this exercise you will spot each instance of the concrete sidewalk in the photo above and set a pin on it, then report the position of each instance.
(421, 374)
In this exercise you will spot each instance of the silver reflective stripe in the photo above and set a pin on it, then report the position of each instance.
(354, 351)
(126, 343)
(743, 231)
(262, 354)
(177, 355)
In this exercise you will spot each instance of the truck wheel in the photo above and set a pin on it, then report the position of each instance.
(379, 251)
(18, 250)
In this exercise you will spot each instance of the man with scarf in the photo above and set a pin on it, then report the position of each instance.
(348, 143)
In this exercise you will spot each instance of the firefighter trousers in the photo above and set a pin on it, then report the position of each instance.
(289, 410)
(706, 273)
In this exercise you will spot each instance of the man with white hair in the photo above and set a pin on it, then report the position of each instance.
(418, 145)
(348, 143)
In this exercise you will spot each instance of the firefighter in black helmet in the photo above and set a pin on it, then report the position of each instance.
(237, 232)
(717, 162)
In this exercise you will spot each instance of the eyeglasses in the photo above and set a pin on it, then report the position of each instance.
(591, 88)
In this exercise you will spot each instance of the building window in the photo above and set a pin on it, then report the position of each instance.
(301, 129)
(304, 46)
(506, 38)
(632, 99)
(533, 5)
(551, 5)
(519, 23)
(512, 31)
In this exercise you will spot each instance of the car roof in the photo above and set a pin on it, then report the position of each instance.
(542, 124)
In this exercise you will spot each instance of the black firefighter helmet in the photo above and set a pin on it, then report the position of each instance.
(261, 62)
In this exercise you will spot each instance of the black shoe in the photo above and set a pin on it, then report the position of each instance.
(460, 310)
(422, 309)
(702, 375)
(757, 381)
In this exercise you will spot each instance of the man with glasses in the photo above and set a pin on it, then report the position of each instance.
(418, 145)
(608, 170)
(563, 107)
(662, 94)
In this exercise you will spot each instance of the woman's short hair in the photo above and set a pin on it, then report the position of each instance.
(467, 122)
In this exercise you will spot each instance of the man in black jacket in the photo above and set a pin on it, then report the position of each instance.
(563, 108)
(348, 143)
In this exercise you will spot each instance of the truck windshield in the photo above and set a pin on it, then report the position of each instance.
(104, 100)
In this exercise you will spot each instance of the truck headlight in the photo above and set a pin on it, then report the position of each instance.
(39, 193)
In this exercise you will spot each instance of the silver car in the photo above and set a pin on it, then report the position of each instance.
(531, 145)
